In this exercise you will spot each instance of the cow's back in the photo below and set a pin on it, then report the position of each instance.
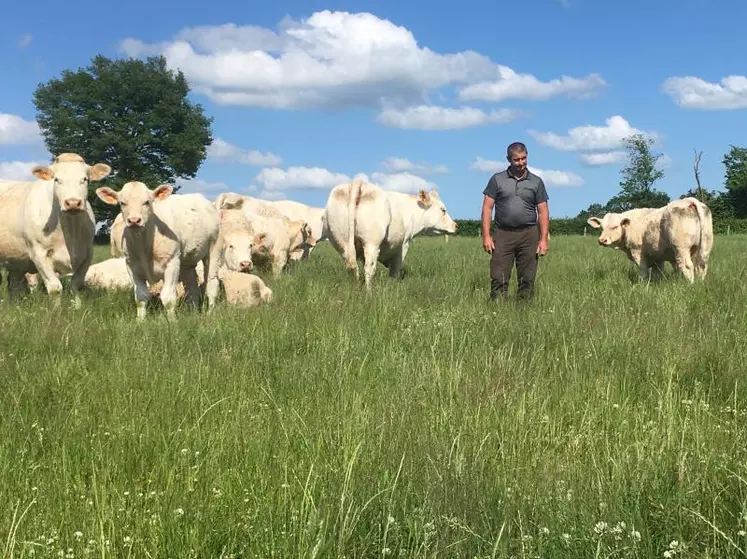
(13, 249)
(681, 226)
(191, 221)
(301, 212)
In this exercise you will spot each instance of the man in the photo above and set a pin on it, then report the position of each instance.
(522, 224)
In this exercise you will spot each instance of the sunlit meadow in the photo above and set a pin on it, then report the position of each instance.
(606, 419)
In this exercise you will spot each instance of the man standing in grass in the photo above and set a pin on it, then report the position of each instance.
(522, 223)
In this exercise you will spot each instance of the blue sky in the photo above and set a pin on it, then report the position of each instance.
(308, 94)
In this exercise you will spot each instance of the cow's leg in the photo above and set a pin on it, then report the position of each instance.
(212, 264)
(371, 258)
(644, 269)
(701, 266)
(17, 285)
(191, 286)
(45, 268)
(279, 261)
(33, 281)
(397, 261)
(142, 295)
(685, 264)
(140, 291)
(351, 258)
(168, 291)
(78, 281)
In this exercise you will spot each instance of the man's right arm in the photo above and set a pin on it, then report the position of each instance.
(487, 215)
(488, 202)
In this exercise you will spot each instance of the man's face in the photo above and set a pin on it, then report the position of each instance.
(518, 161)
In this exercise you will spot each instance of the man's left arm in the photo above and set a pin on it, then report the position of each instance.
(543, 217)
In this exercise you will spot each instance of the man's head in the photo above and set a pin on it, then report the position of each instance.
(516, 154)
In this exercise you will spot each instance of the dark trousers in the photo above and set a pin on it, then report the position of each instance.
(514, 247)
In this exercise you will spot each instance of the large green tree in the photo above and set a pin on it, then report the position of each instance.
(735, 179)
(638, 177)
(131, 114)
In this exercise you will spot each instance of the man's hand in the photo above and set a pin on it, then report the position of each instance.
(487, 244)
(542, 247)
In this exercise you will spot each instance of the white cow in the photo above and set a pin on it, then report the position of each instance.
(110, 274)
(237, 239)
(313, 216)
(164, 238)
(366, 222)
(276, 236)
(680, 233)
(47, 226)
(244, 290)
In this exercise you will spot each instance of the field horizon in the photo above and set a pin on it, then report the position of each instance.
(604, 419)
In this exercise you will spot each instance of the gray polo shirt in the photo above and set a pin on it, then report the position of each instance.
(516, 200)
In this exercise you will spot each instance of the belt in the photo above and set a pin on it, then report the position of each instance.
(520, 228)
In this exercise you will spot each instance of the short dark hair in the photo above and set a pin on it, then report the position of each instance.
(516, 147)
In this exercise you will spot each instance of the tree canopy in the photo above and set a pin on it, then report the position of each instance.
(131, 114)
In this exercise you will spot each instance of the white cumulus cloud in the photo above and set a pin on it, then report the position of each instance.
(432, 117)
(196, 185)
(337, 59)
(19, 170)
(696, 93)
(604, 158)
(512, 85)
(591, 138)
(16, 131)
(220, 150)
(549, 176)
(275, 178)
(402, 182)
(25, 40)
(399, 164)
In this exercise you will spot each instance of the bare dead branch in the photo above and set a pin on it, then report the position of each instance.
(696, 168)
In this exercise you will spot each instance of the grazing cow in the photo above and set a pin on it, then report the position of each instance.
(365, 222)
(680, 233)
(313, 216)
(276, 237)
(244, 290)
(47, 225)
(164, 238)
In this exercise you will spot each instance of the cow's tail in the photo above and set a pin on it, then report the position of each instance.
(698, 206)
(355, 193)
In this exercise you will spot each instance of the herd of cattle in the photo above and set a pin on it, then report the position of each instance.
(161, 241)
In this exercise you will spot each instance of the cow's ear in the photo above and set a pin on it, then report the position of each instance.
(424, 198)
(107, 195)
(99, 171)
(162, 191)
(595, 222)
(42, 172)
(259, 240)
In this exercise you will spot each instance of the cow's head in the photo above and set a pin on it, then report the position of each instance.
(135, 201)
(613, 226)
(238, 239)
(435, 218)
(71, 176)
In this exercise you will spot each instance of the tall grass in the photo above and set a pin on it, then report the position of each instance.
(606, 419)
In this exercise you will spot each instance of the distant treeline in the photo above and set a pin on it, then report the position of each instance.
(577, 225)
(567, 226)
